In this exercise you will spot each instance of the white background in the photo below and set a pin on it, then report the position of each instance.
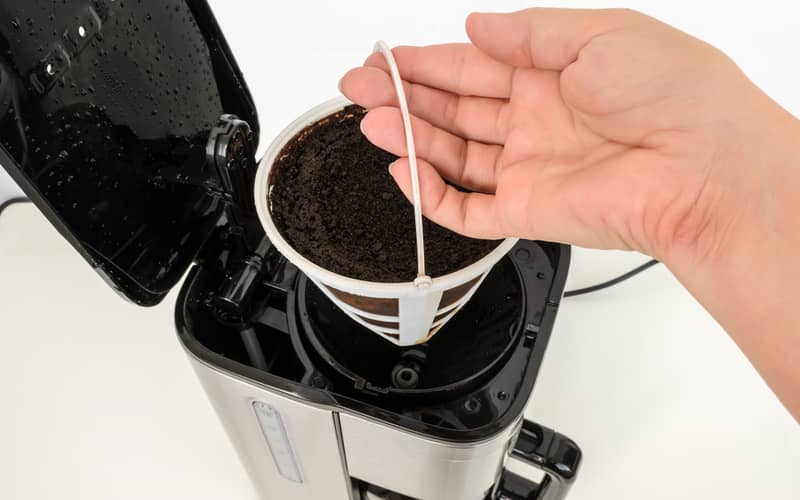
(98, 402)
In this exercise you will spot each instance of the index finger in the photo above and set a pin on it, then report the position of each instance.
(544, 38)
(460, 68)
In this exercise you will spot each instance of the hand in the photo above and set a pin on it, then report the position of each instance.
(601, 128)
(609, 129)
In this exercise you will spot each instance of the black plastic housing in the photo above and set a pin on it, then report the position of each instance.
(473, 410)
(105, 114)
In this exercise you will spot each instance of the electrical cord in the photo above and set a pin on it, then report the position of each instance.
(7, 203)
(615, 281)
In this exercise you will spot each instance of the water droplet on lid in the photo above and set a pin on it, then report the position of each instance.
(15, 23)
(63, 154)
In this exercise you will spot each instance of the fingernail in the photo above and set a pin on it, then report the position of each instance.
(391, 165)
(361, 126)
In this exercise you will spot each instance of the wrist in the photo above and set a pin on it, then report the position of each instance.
(747, 276)
(749, 202)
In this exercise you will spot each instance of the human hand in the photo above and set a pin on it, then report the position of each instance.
(604, 129)
(609, 129)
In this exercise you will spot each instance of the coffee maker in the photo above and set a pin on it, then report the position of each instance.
(133, 131)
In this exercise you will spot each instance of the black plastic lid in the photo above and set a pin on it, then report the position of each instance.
(98, 98)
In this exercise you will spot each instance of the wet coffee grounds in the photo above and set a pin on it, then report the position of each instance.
(333, 199)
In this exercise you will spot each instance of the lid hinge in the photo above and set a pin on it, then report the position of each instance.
(231, 153)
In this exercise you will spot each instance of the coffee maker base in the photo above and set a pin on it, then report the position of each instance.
(293, 449)
(311, 404)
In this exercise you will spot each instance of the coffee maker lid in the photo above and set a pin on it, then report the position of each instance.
(105, 111)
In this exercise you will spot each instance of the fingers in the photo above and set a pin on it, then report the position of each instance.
(476, 118)
(370, 88)
(472, 165)
(458, 68)
(544, 38)
(471, 214)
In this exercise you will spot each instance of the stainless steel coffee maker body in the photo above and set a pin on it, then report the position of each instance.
(297, 449)
(317, 407)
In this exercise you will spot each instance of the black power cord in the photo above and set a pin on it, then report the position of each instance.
(606, 284)
(7, 203)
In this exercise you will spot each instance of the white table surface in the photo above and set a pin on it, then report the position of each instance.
(97, 399)
(98, 402)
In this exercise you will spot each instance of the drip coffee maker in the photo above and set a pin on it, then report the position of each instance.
(133, 131)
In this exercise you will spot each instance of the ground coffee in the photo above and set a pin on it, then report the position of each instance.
(334, 201)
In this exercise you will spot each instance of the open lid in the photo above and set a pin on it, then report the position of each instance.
(98, 99)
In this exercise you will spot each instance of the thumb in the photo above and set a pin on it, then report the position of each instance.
(549, 39)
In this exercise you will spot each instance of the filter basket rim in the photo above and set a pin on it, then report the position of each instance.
(345, 283)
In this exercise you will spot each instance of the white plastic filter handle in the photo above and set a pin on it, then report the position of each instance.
(423, 279)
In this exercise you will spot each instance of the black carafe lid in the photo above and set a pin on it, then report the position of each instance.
(106, 107)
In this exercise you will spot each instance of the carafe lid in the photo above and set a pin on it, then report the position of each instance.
(106, 107)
